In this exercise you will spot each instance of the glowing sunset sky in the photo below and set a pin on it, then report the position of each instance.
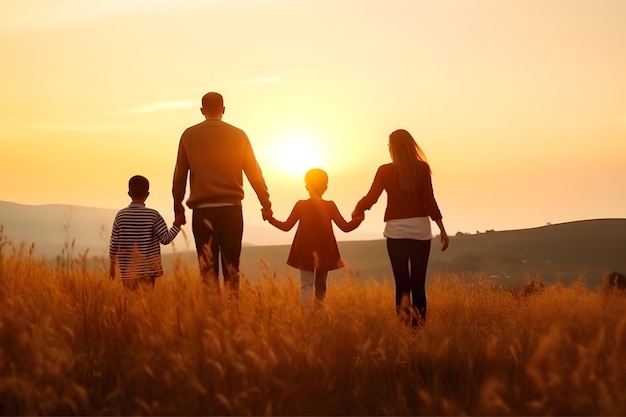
(520, 106)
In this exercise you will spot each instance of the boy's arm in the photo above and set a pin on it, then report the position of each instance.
(164, 234)
(112, 269)
(113, 250)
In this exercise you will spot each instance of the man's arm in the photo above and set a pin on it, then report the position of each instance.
(179, 183)
(255, 177)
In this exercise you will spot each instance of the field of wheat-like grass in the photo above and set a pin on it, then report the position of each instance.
(76, 343)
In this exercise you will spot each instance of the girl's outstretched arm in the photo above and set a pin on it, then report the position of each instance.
(341, 222)
(289, 223)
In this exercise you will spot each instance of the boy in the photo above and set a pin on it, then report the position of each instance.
(135, 238)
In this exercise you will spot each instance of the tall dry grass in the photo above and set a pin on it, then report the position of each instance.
(76, 343)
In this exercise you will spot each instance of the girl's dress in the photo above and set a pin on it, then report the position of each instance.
(314, 246)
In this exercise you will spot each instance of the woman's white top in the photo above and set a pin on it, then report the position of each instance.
(417, 228)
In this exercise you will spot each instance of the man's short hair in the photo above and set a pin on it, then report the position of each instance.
(138, 186)
(213, 103)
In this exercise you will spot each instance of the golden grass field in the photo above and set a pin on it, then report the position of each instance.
(76, 343)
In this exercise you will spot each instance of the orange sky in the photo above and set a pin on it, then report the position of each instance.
(520, 106)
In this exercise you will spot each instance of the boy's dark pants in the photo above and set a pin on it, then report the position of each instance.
(409, 261)
(217, 232)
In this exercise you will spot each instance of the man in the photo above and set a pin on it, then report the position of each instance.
(216, 154)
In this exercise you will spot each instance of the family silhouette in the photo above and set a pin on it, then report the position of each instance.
(215, 155)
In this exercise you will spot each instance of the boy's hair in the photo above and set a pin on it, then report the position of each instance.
(317, 180)
(138, 186)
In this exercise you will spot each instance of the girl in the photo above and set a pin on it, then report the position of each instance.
(314, 250)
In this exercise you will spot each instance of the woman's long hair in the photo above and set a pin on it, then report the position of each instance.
(406, 156)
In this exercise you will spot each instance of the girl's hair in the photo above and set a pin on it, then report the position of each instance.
(317, 180)
(406, 156)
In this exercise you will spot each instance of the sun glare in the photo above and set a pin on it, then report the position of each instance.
(296, 154)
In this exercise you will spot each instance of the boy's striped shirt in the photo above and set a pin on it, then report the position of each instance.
(136, 236)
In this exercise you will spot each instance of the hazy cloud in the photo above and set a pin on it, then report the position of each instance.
(20, 15)
(76, 128)
(262, 80)
(164, 106)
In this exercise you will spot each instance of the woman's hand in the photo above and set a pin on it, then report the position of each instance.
(445, 241)
(358, 215)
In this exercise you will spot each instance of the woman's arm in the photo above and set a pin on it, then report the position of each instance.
(428, 197)
(427, 194)
(371, 197)
(445, 240)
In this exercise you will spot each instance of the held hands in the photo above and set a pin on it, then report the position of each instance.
(358, 219)
(180, 219)
(179, 215)
(358, 216)
(267, 213)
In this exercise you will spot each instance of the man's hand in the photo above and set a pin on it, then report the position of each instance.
(180, 219)
(266, 213)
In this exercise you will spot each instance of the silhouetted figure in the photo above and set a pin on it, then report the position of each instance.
(614, 281)
(410, 203)
(314, 250)
(215, 155)
(136, 237)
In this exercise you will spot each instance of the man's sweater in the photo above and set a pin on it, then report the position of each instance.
(215, 154)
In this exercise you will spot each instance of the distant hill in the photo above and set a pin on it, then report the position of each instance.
(565, 252)
(50, 227)
(561, 252)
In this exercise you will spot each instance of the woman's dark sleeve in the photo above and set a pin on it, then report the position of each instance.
(428, 196)
(373, 194)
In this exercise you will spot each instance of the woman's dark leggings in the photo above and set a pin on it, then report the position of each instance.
(409, 260)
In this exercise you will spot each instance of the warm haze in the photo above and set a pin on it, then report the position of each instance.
(520, 106)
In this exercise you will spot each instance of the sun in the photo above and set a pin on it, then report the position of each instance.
(296, 154)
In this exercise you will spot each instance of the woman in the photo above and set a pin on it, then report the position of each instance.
(410, 206)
